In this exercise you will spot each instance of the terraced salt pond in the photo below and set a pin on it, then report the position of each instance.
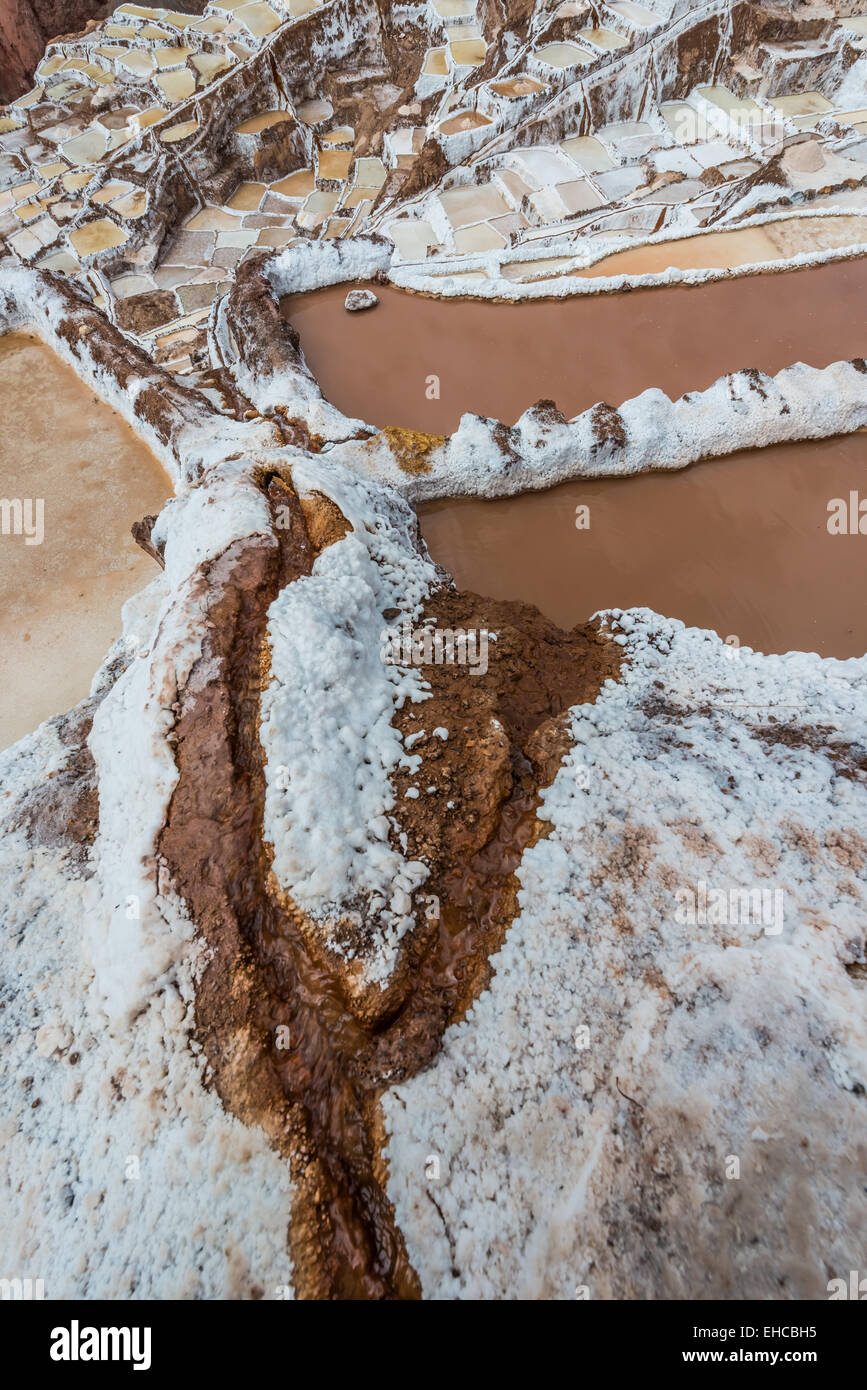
(744, 246)
(422, 362)
(60, 601)
(740, 545)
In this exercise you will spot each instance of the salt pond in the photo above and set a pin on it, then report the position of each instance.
(741, 545)
(422, 362)
(60, 600)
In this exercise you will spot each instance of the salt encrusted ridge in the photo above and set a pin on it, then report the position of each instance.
(54, 309)
(743, 410)
(326, 722)
(131, 749)
(483, 457)
(123, 1175)
(564, 1164)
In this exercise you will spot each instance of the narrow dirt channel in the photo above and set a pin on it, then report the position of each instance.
(285, 1048)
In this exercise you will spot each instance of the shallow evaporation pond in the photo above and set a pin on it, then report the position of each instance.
(60, 601)
(497, 359)
(740, 545)
(742, 247)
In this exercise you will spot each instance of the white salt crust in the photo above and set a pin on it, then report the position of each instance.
(547, 1169)
(739, 411)
(326, 718)
(123, 1176)
(595, 1165)
(134, 759)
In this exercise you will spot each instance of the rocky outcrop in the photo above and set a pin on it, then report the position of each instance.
(26, 26)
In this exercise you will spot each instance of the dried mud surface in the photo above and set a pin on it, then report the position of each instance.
(61, 599)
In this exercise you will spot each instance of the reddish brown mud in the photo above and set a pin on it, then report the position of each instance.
(286, 1048)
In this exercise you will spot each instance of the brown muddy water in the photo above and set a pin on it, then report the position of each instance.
(60, 600)
(497, 359)
(740, 545)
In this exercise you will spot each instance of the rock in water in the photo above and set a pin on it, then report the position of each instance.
(361, 299)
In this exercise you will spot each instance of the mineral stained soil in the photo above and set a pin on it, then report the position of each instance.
(60, 602)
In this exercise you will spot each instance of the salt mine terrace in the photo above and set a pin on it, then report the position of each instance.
(61, 589)
(498, 359)
(740, 545)
(62, 207)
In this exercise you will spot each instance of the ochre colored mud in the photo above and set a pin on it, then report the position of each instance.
(61, 600)
(315, 1086)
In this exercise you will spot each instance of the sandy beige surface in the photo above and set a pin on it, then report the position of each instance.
(60, 601)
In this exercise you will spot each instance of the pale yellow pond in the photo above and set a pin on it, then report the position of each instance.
(61, 599)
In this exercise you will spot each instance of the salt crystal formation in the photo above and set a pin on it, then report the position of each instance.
(469, 953)
(360, 299)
